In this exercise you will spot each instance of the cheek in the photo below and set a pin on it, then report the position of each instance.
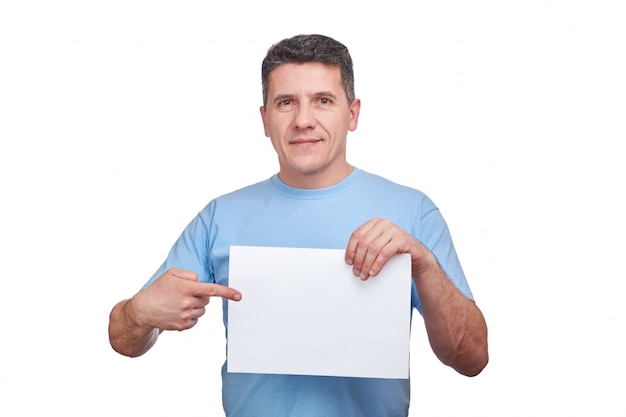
(275, 126)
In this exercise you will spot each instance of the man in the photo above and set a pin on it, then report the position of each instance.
(317, 200)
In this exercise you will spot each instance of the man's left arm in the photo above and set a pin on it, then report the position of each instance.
(455, 325)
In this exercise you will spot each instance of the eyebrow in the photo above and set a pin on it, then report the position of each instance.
(281, 97)
(329, 94)
(325, 93)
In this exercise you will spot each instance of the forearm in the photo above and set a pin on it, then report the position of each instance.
(126, 335)
(455, 325)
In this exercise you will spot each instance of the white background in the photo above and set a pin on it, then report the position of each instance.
(120, 120)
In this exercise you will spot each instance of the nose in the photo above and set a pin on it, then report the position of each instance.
(304, 118)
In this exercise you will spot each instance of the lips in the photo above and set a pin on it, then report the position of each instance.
(304, 141)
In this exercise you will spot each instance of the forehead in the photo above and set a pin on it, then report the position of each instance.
(299, 78)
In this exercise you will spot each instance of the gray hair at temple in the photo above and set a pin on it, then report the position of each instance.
(301, 49)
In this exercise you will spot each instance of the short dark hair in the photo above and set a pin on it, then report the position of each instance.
(301, 49)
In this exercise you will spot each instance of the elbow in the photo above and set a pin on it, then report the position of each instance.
(130, 347)
(472, 362)
(126, 336)
(469, 364)
(472, 352)
(127, 342)
(473, 366)
(468, 359)
(119, 347)
(123, 350)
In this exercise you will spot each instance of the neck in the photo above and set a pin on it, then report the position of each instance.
(314, 180)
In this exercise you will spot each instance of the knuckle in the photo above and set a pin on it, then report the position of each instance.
(373, 247)
(180, 326)
(386, 253)
(213, 291)
(356, 235)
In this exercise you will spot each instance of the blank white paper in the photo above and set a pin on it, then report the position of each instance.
(303, 312)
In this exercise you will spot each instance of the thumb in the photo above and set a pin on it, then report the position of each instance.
(184, 274)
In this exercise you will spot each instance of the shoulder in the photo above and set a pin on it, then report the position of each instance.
(247, 191)
(386, 186)
(242, 199)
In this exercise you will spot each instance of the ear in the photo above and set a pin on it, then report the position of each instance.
(264, 118)
(355, 109)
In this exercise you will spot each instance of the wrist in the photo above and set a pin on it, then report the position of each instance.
(134, 315)
(423, 262)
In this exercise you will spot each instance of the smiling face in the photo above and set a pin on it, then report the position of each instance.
(308, 117)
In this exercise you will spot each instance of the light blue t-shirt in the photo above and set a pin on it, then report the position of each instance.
(271, 213)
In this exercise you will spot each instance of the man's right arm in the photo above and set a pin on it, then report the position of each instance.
(174, 301)
(126, 335)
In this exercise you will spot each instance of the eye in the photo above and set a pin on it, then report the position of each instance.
(285, 102)
(324, 100)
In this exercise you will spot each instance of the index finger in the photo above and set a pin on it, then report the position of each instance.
(355, 237)
(204, 289)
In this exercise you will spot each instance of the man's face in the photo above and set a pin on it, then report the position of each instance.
(307, 117)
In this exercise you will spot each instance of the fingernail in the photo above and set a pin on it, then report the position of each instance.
(237, 297)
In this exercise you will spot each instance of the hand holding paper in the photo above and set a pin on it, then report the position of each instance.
(372, 245)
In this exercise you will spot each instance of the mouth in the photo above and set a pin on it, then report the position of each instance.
(305, 141)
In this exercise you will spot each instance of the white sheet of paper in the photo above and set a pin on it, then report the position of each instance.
(303, 312)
